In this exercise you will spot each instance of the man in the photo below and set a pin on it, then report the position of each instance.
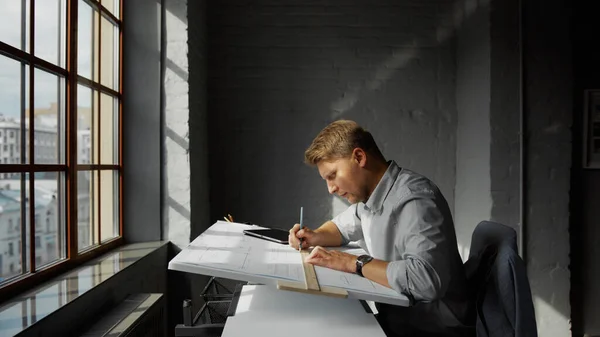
(401, 220)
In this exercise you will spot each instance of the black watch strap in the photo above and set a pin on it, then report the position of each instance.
(360, 263)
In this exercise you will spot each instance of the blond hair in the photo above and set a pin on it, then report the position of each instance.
(338, 140)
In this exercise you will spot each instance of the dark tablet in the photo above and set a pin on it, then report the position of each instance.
(271, 234)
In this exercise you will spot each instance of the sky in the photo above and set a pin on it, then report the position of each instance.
(48, 34)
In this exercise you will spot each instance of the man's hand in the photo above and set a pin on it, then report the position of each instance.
(332, 259)
(306, 234)
(327, 235)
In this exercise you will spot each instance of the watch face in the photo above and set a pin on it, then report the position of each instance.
(364, 259)
(361, 261)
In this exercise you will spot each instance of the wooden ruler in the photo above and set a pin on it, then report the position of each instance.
(311, 283)
(310, 276)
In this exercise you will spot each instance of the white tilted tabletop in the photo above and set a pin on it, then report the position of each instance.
(224, 251)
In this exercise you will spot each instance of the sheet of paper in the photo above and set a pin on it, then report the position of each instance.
(224, 246)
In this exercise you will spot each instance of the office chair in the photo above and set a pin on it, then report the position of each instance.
(502, 302)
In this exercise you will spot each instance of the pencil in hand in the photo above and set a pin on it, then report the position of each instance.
(301, 216)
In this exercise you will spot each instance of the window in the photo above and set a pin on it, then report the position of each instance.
(60, 101)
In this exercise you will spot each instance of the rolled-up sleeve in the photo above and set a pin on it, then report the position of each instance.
(348, 223)
(423, 272)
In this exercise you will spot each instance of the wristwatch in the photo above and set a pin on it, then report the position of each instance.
(360, 263)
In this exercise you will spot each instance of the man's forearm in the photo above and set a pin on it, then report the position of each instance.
(328, 235)
(376, 271)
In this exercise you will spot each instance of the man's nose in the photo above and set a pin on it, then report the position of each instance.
(332, 188)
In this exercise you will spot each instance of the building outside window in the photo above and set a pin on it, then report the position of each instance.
(60, 113)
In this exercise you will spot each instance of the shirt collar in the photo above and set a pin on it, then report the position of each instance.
(384, 186)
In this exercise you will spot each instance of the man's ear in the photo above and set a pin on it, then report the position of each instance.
(359, 156)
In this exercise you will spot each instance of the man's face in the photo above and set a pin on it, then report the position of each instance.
(344, 177)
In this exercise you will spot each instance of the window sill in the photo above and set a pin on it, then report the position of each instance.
(22, 312)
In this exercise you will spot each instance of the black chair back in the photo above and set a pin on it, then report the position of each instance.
(501, 297)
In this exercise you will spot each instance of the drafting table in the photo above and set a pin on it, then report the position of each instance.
(224, 251)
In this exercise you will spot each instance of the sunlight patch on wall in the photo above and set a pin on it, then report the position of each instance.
(402, 56)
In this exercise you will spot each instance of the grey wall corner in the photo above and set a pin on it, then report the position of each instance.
(548, 97)
(473, 200)
(197, 55)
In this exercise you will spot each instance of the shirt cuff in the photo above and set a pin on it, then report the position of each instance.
(397, 277)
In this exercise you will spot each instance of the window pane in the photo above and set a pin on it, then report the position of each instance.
(110, 54)
(14, 98)
(49, 112)
(96, 47)
(109, 194)
(14, 17)
(85, 125)
(109, 129)
(87, 39)
(13, 190)
(49, 231)
(86, 209)
(50, 31)
(112, 6)
(25, 108)
(95, 144)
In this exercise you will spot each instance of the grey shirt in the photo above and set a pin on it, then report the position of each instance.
(407, 222)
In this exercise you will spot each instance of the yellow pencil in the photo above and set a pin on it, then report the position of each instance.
(226, 219)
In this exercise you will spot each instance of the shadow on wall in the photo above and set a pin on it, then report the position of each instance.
(401, 57)
(357, 100)
(436, 121)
